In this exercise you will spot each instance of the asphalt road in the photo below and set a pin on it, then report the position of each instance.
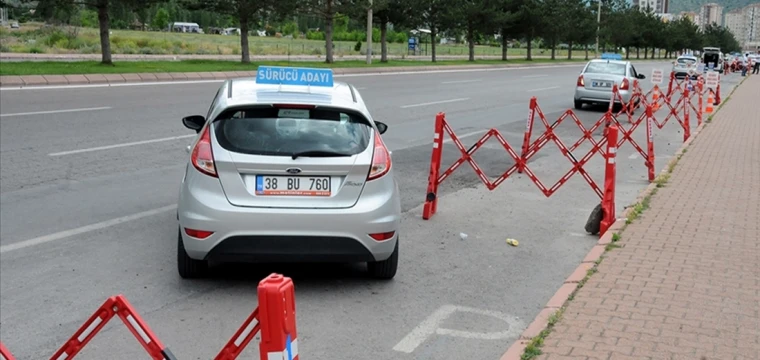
(90, 177)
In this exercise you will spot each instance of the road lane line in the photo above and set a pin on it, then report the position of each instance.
(460, 81)
(56, 111)
(81, 230)
(534, 76)
(434, 103)
(108, 147)
(542, 89)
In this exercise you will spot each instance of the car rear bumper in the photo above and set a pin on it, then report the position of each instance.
(283, 234)
(600, 96)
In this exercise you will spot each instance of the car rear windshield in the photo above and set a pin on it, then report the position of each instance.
(284, 132)
(687, 61)
(606, 68)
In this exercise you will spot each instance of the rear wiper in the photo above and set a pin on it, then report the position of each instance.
(318, 153)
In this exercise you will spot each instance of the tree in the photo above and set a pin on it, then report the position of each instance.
(246, 12)
(506, 19)
(434, 14)
(161, 19)
(530, 19)
(474, 17)
(580, 27)
(326, 10)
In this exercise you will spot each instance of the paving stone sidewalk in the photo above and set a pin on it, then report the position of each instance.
(686, 283)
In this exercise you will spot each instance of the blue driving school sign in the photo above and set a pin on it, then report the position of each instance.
(282, 75)
(611, 56)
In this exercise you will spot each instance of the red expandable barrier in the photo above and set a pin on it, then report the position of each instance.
(275, 318)
(114, 306)
(277, 311)
(5, 354)
(242, 337)
(610, 174)
(529, 149)
(627, 134)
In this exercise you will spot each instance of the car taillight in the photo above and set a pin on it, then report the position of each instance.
(624, 85)
(580, 81)
(202, 157)
(383, 236)
(198, 234)
(381, 160)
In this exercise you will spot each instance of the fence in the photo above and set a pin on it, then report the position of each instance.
(274, 318)
(683, 98)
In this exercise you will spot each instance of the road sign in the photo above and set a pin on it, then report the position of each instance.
(281, 75)
(712, 79)
(701, 68)
(611, 56)
(657, 76)
(711, 66)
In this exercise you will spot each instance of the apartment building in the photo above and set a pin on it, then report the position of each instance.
(744, 23)
(711, 13)
(691, 15)
(658, 6)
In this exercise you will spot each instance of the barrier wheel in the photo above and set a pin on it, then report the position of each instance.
(578, 104)
(385, 269)
(188, 267)
(594, 223)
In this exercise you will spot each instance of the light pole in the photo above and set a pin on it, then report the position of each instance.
(598, 26)
(369, 33)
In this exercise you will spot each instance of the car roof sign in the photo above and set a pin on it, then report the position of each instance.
(611, 56)
(282, 75)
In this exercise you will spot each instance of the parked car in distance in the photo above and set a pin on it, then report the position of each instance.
(685, 65)
(595, 82)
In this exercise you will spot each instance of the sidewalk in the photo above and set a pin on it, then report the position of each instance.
(685, 283)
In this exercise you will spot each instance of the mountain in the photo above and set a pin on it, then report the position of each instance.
(676, 6)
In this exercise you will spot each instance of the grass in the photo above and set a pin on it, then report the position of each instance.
(94, 67)
(36, 38)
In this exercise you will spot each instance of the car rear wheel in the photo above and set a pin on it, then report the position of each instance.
(188, 267)
(385, 269)
(578, 104)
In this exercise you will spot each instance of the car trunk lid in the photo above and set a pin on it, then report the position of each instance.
(255, 159)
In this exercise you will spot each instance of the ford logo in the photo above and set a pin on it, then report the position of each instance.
(293, 171)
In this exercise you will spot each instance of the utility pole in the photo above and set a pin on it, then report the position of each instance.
(369, 33)
(598, 26)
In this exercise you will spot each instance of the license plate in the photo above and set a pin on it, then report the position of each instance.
(600, 84)
(293, 185)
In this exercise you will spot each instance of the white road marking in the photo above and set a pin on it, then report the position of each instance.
(81, 230)
(434, 103)
(460, 81)
(633, 156)
(56, 111)
(534, 76)
(395, 73)
(542, 89)
(431, 325)
(448, 138)
(108, 147)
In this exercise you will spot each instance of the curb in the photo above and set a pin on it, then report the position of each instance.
(16, 81)
(561, 296)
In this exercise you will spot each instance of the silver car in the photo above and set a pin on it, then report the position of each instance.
(282, 173)
(684, 66)
(594, 84)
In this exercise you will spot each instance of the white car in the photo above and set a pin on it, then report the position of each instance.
(287, 167)
(685, 65)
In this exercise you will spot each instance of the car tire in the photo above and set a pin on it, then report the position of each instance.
(385, 269)
(188, 267)
(578, 104)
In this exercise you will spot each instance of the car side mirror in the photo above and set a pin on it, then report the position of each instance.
(381, 127)
(641, 77)
(194, 122)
